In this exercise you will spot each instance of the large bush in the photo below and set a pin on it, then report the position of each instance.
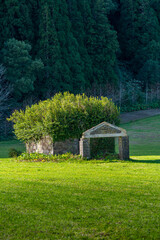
(62, 117)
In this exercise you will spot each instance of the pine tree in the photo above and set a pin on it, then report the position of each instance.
(21, 70)
(49, 48)
(148, 30)
(105, 44)
(15, 21)
(77, 10)
(73, 63)
(138, 28)
(127, 28)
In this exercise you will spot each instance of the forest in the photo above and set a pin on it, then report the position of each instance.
(97, 47)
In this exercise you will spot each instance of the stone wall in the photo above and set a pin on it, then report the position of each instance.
(84, 145)
(124, 148)
(46, 146)
(91, 143)
(69, 145)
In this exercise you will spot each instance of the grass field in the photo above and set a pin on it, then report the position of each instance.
(144, 136)
(96, 199)
(5, 147)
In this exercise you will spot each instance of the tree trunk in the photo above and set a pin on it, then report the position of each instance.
(147, 92)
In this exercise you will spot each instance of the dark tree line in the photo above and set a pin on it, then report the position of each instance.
(101, 47)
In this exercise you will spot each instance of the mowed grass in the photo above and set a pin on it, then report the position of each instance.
(5, 147)
(94, 199)
(87, 200)
(144, 136)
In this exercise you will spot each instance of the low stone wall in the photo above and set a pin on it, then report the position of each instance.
(47, 146)
(69, 145)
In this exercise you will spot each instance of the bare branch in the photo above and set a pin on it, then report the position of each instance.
(5, 90)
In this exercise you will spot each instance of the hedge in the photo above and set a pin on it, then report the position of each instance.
(63, 116)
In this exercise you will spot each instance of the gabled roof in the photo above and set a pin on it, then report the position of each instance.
(104, 129)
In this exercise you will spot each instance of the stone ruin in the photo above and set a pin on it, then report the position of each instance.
(46, 146)
(105, 130)
(82, 147)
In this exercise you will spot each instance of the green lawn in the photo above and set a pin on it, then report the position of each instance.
(112, 200)
(144, 136)
(5, 147)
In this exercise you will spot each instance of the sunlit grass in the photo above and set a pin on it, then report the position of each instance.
(144, 136)
(97, 199)
(88, 200)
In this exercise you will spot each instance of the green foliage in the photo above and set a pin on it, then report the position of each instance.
(49, 48)
(127, 28)
(39, 157)
(16, 21)
(103, 45)
(74, 39)
(137, 107)
(21, 68)
(62, 117)
(80, 44)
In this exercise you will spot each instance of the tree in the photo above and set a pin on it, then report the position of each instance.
(148, 34)
(73, 79)
(21, 68)
(105, 44)
(127, 28)
(81, 17)
(149, 74)
(49, 49)
(15, 21)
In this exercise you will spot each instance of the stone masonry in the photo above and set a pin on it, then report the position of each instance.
(84, 146)
(46, 146)
(124, 148)
(105, 130)
(69, 145)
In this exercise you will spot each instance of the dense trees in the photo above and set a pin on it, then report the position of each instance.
(21, 69)
(15, 20)
(80, 46)
(139, 37)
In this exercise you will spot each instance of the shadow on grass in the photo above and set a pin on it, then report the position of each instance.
(135, 159)
(157, 161)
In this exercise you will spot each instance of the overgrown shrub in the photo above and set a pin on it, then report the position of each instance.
(62, 117)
